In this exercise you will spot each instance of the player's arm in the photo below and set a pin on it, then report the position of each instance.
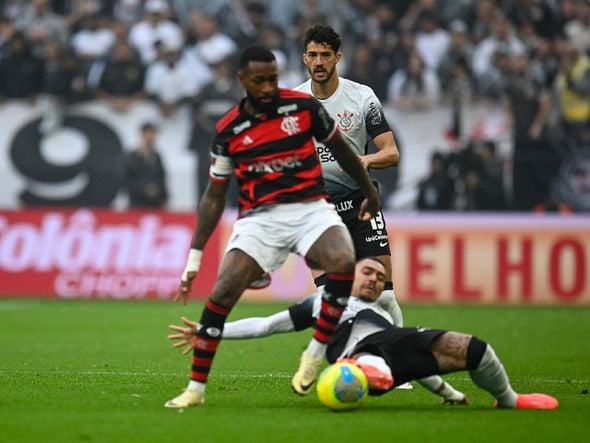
(209, 212)
(254, 327)
(298, 317)
(387, 154)
(378, 129)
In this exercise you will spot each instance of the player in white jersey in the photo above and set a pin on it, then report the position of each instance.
(388, 355)
(359, 115)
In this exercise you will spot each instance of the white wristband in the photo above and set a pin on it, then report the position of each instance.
(193, 263)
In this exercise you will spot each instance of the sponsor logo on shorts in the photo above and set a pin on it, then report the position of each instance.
(378, 238)
(345, 205)
(382, 244)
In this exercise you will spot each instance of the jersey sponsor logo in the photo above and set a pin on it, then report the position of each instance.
(239, 128)
(325, 154)
(276, 164)
(382, 244)
(247, 140)
(346, 122)
(345, 205)
(290, 125)
(287, 108)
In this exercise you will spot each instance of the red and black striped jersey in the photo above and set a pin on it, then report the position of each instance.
(273, 155)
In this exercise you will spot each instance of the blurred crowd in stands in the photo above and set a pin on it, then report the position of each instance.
(532, 56)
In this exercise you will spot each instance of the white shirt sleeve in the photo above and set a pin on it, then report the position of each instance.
(259, 326)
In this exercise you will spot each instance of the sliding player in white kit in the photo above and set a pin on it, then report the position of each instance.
(387, 354)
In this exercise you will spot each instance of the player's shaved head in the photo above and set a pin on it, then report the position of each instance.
(255, 54)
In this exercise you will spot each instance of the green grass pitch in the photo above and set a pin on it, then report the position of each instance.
(100, 371)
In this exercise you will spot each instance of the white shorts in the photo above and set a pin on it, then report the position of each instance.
(269, 235)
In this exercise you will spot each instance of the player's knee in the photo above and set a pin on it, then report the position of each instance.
(227, 291)
(341, 260)
(475, 352)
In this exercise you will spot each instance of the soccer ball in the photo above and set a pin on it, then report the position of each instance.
(342, 386)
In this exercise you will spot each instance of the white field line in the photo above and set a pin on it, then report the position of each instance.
(132, 373)
(222, 374)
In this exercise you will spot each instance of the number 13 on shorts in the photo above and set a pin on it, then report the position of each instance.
(377, 221)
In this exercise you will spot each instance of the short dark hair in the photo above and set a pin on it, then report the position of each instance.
(255, 54)
(322, 34)
(373, 258)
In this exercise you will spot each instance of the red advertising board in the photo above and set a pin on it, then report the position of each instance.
(436, 258)
(99, 254)
(527, 259)
(470, 258)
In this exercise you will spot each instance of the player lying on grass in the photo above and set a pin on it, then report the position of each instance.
(388, 355)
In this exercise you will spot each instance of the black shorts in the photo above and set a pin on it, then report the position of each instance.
(370, 237)
(407, 351)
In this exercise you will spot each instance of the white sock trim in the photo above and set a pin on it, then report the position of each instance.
(196, 386)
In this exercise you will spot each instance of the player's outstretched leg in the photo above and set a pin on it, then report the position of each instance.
(205, 345)
(536, 401)
(307, 374)
(334, 299)
(449, 394)
(190, 397)
(490, 375)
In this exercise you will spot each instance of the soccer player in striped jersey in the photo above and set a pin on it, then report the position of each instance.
(267, 142)
(387, 354)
